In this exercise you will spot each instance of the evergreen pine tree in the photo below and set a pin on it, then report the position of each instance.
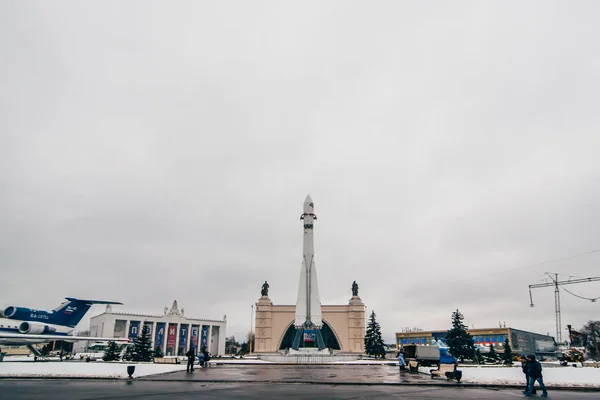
(112, 352)
(493, 355)
(374, 345)
(142, 346)
(479, 357)
(158, 353)
(507, 356)
(458, 339)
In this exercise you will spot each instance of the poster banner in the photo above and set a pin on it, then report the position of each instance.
(194, 336)
(171, 334)
(134, 329)
(183, 331)
(204, 339)
(159, 340)
(309, 336)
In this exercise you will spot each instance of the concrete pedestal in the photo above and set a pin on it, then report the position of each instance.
(346, 321)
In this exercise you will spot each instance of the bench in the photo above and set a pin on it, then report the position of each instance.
(413, 366)
(164, 360)
(447, 370)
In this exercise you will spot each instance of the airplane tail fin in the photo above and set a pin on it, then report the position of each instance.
(73, 310)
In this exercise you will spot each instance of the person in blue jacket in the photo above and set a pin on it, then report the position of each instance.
(534, 370)
(401, 361)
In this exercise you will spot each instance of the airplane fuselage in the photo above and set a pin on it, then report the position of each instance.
(19, 327)
(27, 326)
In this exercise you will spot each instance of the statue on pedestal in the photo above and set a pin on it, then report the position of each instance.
(354, 289)
(265, 289)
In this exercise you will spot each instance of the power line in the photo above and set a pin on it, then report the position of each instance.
(592, 299)
(487, 275)
(538, 264)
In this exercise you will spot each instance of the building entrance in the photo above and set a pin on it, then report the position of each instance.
(309, 341)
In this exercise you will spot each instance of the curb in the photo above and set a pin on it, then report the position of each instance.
(432, 384)
(296, 382)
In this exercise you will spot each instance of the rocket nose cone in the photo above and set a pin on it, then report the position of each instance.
(308, 205)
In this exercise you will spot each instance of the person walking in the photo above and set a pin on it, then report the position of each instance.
(524, 368)
(534, 370)
(190, 361)
(401, 361)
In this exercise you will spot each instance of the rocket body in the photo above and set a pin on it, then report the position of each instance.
(308, 305)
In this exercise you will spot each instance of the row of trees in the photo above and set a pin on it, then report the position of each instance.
(140, 350)
(462, 346)
(459, 341)
(232, 346)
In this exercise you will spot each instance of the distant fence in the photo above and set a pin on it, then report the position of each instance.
(308, 358)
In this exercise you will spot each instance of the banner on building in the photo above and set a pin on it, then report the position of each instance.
(204, 338)
(159, 340)
(172, 331)
(309, 336)
(134, 329)
(183, 332)
(194, 336)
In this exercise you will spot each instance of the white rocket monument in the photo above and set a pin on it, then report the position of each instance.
(308, 305)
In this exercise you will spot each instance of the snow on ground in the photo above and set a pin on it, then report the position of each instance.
(82, 370)
(240, 361)
(367, 362)
(566, 376)
(553, 376)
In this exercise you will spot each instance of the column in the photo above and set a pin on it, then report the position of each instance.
(177, 338)
(188, 335)
(263, 329)
(356, 326)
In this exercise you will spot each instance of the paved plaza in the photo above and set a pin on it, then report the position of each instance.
(373, 374)
(156, 390)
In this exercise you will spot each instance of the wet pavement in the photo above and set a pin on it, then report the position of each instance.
(345, 374)
(97, 390)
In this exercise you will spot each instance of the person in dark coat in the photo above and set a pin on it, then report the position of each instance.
(534, 370)
(524, 368)
(190, 361)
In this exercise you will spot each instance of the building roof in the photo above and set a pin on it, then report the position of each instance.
(174, 311)
(472, 331)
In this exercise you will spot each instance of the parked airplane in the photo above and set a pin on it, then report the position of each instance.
(25, 326)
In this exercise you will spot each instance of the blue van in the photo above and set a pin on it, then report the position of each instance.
(446, 357)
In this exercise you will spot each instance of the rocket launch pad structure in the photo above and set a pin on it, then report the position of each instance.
(308, 321)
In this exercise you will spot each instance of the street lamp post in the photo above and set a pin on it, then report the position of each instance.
(251, 323)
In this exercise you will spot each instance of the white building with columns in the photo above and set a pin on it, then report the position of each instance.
(173, 332)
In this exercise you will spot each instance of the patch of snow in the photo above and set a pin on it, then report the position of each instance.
(367, 362)
(564, 377)
(82, 369)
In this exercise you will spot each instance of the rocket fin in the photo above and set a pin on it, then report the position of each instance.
(315, 301)
(301, 311)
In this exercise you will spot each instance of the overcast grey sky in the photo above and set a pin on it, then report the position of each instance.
(153, 151)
